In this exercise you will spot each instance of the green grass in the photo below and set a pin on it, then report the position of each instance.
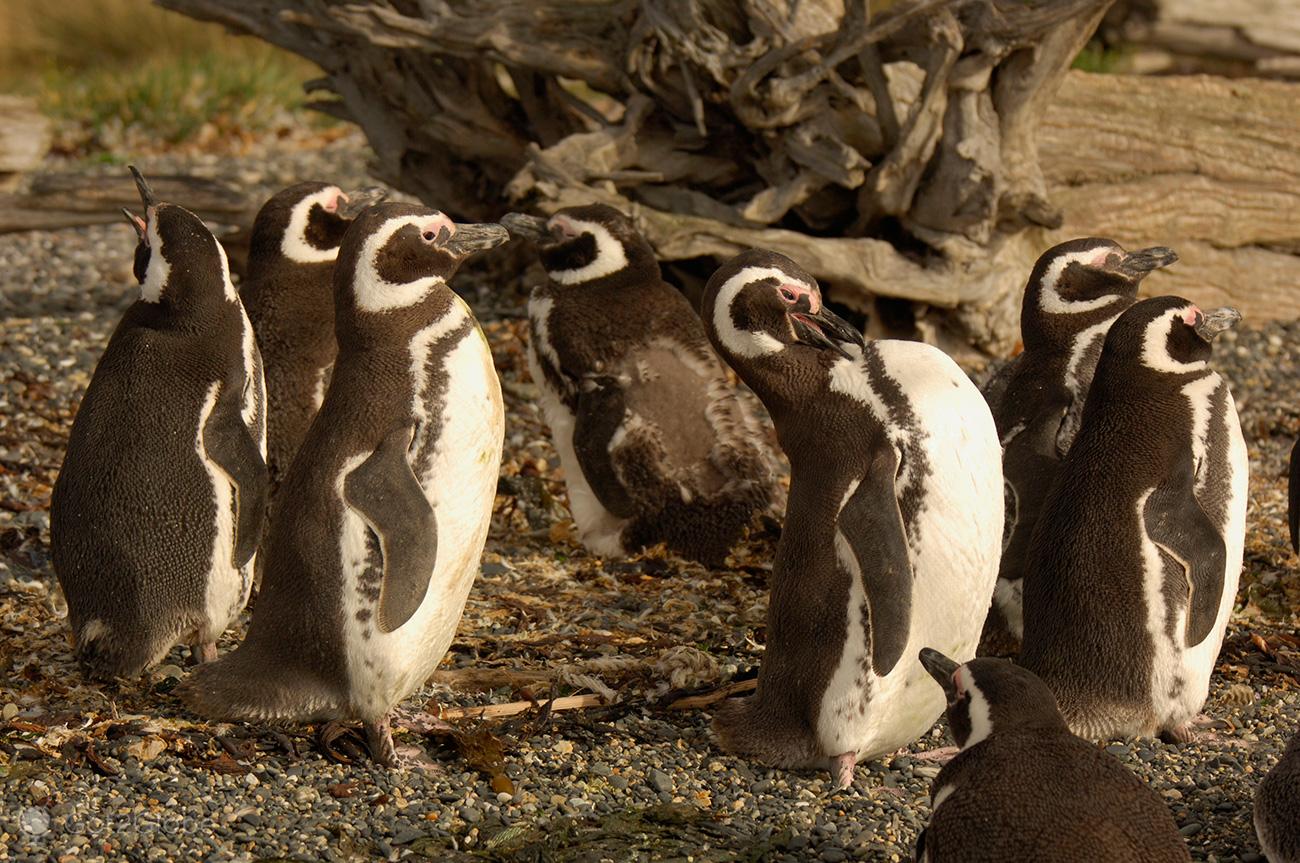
(1095, 58)
(115, 67)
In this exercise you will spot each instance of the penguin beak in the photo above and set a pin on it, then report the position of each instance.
(146, 193)
(526, 227)
(1211, 324)
(942, 669)
(138, 224)
(353, 203)
(823, 328)
(1137, 264)
(471, 238)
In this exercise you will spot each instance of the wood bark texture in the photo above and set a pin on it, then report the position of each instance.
(894, 155)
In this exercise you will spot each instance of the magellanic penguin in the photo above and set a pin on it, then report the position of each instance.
(1277, 808)
(655, 444)
(892, 531)
(1133, 568)
(376, 540)
(1024, 788)
(157, 511)
(289, 295)
(1075, 292)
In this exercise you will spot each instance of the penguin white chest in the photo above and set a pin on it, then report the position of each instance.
(459, 483)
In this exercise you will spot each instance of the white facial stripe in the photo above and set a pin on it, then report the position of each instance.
(744, 343)
(941, 795)
(1050, 299)
(1155, 346)
(374, 293)
(978, 707)
(155, 275)
(228, 288)
(610, 254)
(294, 245)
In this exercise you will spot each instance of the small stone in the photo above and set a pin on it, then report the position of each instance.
(659, 780)
(471, 814)
(34, 821)
(251, 781)
(834, 855)
(9, 711)
(1190, 829)
(564, 747)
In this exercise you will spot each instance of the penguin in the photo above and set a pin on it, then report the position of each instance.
(289, 297)
(383, 515)
(1133, 567)
(157, 510)
(1277, 808)
(1024, 788)
(893, 527)
(1075, 292)
(655, 444)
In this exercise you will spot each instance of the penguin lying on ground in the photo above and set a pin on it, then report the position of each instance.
(158, 507)
(655, 445)
(382, 518)
(290, 300)
(892, 530)
(1024, 788)
(1277, 808)
(1133, 569)
(1075, 292)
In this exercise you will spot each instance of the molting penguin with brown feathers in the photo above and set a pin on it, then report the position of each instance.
(377, 537)
(1277, 808)
(290, 300)
(1133, 568)
(158, 508)
(893, 526)
(655, 444)
(1024, 788)
(1076, 291)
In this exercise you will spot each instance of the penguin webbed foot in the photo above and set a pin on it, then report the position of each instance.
(203, 651)
(842, 769)
(379, 740)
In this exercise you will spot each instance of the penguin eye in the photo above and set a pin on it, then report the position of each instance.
(429, 236)
(788, 295)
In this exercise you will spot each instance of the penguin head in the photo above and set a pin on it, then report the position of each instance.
(588, 245)
(396, 256)
(305, 223)
(761, 304)
(178, 262)
(1076, 284)
(1159, 341)
(987, 695)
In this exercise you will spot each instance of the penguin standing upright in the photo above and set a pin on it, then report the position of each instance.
(655, 444)
(1277, 808)
(158, 507)
(1133, 568)
(1024, 788)
(1075, 292)
(376, 539)
(290, 300)
(893, 526)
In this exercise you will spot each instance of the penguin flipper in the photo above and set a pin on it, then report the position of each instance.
(995, 388)
(872, 524)
(1293, 497)
(227, 442)
(385, 491)
(1178, 525)
(601, 411)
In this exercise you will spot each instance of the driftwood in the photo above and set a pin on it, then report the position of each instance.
(1241, 37)
(892, 154)
(54, 200)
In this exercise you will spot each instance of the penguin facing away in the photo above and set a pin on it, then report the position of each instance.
(384, 513)
(289, 296)
(1277, 808)
(1133, 568)
(1076, 291)
(893, 526)
(158, 508)
(655, 443)
(1024, 788)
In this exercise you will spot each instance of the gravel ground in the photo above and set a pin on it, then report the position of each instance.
(110, 772)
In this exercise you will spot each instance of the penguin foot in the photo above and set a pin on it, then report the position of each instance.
(379, 740)
(842, 769)
(937, 756)
(203, 651)
(1184, 733)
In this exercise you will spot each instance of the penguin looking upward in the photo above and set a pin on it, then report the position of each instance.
(158, 508)
(290, 301)
(1024, 788)
(655, 444)
(893, 526)
(1133, 569)
(1277, 808)
(380, 525)
(1075, 292)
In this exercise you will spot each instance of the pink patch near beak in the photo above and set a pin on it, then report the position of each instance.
(332, 205)
(957, 680)
(435, 225)
(814, 299)
(1191, 316)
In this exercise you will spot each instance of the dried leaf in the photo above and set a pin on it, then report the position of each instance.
(341, 790)
(147, 749)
